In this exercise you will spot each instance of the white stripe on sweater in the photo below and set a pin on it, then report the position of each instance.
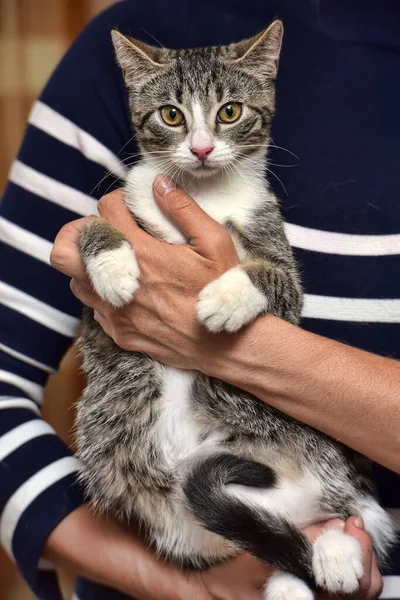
(7, 402)
(52, 190)
(37, 310)
(33, 390)
(351, 309)
(51, 122)
(342, 243)
(22, 434)
(26, 359)
(25, 241)
(391, 587)
(28, 492)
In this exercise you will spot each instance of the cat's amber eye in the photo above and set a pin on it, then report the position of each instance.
(172, 116)
(229, 113)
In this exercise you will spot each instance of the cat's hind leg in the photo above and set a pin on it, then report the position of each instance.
(110, 262)
(262, 532)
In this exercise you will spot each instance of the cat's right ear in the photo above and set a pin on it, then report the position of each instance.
(137, 59)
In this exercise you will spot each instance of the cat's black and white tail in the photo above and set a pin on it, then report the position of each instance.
(334, 561)
(263, 534)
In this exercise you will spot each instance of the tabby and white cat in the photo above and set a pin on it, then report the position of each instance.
(209, 470)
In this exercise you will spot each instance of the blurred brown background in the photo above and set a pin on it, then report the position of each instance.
(34, 34)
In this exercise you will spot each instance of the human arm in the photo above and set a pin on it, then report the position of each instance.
(65, 153)
(349, 394)
(103, 552)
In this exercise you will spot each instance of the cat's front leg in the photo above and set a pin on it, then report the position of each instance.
(244, 292)
(110, 263)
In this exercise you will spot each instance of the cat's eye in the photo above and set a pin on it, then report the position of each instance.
(229, 113)
(172, 116)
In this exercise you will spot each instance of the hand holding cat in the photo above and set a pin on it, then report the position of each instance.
(162, 320)
(244, 577)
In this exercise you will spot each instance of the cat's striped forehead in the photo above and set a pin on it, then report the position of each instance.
(201, 74)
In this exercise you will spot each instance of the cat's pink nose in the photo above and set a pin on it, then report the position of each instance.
(202, 153)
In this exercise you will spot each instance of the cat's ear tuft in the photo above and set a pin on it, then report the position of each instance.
(259, 54)
(137, 59)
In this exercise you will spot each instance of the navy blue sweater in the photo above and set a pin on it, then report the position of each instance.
(338, 103)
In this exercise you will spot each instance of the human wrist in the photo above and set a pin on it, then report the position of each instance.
(84, 544)
(244, 359)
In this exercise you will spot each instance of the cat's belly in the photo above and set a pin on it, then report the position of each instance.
(179, 436)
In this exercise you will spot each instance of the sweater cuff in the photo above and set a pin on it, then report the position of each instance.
(39, 489)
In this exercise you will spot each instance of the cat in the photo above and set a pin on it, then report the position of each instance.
(208, 470)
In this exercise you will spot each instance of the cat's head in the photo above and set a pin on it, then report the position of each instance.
(201, 111)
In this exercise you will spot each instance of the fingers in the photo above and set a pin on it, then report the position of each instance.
(84, 292)
(203, 233)
(355, 527)
(316, 530)
(113, 208)
(65, 255)
(376, 581)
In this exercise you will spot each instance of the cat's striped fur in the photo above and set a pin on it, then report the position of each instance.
(209, 470)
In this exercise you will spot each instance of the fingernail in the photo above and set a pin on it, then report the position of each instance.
(163, 184)
(334, 524)
(359, 522)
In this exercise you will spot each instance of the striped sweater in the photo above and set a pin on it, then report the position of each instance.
(337, 127)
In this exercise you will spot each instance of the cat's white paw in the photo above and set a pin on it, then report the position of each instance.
(230, 302)
(337, 562)
(114, 274)
(283, 586)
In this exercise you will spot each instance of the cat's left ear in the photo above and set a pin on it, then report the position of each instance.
(138, 60)
(259, 54)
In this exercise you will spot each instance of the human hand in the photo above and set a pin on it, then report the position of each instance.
(245, 577)
(161, 321)
(371, 583)
(100, 550)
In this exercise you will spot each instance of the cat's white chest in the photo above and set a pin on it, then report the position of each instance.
(233, 199)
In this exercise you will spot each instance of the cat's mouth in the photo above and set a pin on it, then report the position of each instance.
(202, 169)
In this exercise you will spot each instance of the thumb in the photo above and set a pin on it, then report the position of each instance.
(355, 527)
(205, 235)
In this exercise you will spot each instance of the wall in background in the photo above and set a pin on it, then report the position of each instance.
(34, 34)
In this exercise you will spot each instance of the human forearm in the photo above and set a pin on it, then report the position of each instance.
(100, 550)
(351, 395)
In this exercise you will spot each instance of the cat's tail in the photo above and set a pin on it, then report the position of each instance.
(253, 529)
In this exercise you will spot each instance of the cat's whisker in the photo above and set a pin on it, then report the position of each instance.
(239, 171)
(270, 144)
(273, 145)
(237, 162)
(125, 145)
(284, 166)
(280, 181)
(123, 162)
(108, 174)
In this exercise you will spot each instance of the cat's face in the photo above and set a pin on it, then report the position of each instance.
(201, 111)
